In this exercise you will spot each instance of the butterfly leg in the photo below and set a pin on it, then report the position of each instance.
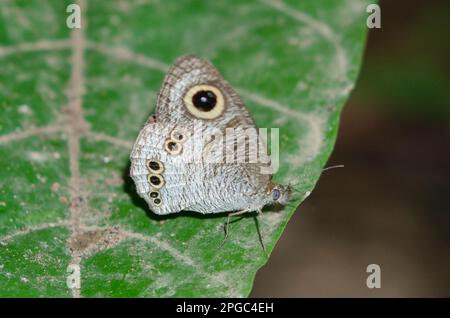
(259, 211)
(227, 223)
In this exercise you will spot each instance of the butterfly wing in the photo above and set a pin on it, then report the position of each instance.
(167, 191)
(196, 103)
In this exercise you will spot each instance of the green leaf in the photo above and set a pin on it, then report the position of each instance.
(73, 101)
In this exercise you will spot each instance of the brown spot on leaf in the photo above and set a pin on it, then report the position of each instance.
(95, 240)
(55, 187)
(64, 199)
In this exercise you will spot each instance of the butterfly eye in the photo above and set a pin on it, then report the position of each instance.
(155, 180)
(155, 166)
(204, 101)
(276, 194)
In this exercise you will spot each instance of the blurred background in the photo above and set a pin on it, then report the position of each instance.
(390, 205)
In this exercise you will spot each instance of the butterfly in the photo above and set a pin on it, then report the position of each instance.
(184, 159)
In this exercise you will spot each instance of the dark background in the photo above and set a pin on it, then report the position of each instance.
(390, 204)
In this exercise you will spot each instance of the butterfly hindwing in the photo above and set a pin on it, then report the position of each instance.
(148, 149)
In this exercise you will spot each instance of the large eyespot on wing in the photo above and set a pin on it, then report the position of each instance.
(194, 89)
(204, 101)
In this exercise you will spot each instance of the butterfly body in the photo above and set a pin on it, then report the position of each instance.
(179, 160)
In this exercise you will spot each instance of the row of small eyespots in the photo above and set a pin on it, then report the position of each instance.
(155, 167)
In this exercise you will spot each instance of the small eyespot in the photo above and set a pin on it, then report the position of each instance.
(155, 166)
(172, 147)
(157, 202)
(276, 194)
(155, 180)
(151, 120)
(204, 101)
(178, 135)
(154, 194)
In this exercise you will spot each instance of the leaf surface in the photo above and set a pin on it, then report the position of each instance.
(73, 101)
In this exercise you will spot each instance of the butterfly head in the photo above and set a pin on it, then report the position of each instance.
(280, 194)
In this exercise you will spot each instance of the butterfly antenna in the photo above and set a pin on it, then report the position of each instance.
(332, 167)
(296, 194)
